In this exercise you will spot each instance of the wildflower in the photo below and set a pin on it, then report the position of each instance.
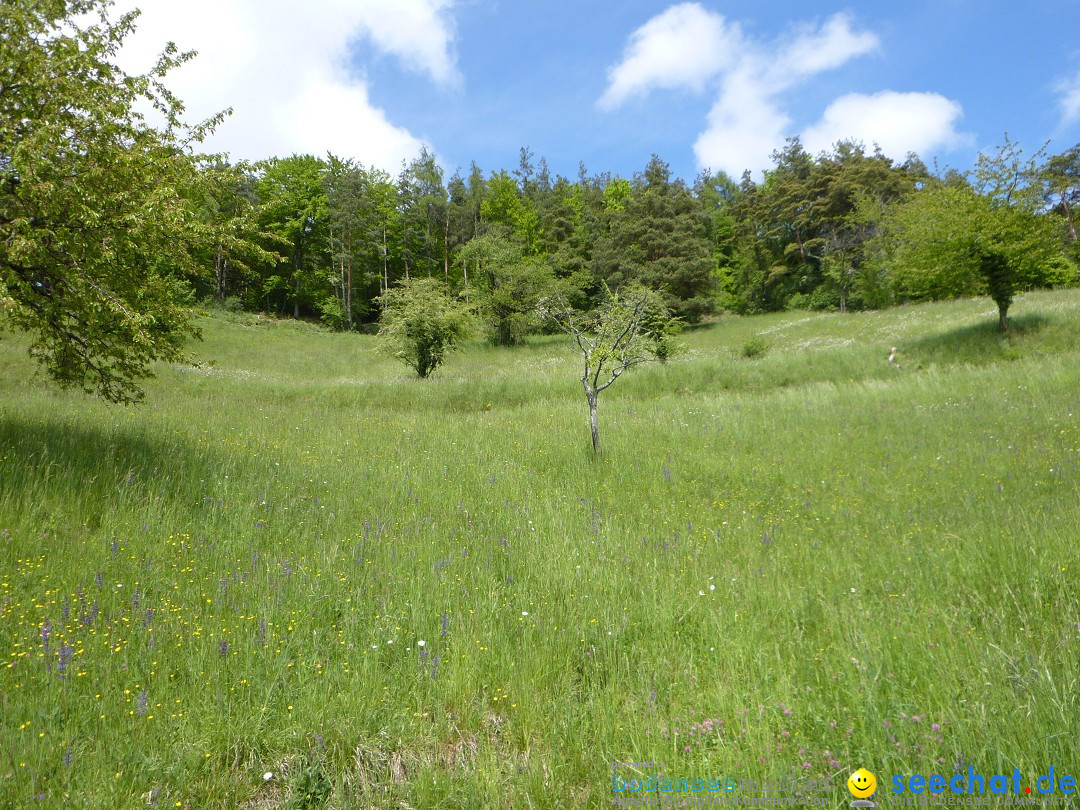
(935, 727)
(63, 658)
(140, 709)
(421, 643)
(268, 776)
(524, 613)
(223, 647)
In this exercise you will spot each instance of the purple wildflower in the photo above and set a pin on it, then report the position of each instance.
(63, 658)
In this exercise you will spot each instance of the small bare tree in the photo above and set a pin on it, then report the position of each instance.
(631, 327)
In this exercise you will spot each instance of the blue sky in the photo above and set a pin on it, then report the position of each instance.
(702, 84)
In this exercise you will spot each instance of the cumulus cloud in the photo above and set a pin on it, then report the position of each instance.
(1070, 99)
(688, 46)
(287, 74)
(684, 46)
(897, 122)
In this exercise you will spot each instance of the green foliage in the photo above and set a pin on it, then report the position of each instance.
(294, 209)
(422, 323)
(658, 238)
(96, 218)
(332, 314)
(949, 241)
(754, 346)
(311, 786)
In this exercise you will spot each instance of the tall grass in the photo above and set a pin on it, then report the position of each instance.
(800, 561)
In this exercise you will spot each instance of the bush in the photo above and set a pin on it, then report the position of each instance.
(332, 314)
(754, 347)
(421, 323)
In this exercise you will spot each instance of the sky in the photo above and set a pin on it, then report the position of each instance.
(711, 84)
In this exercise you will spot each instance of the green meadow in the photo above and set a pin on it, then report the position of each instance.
(298, 577)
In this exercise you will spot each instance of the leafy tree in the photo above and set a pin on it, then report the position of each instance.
(658, 238)
(511, 285)
(294, 209)
(96, 213)
(425, 216)
(422, 323)
(1061, 176)
(627, 329)
(229, 230)
(951, 241)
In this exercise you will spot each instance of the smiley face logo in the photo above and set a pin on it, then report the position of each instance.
(862, 784)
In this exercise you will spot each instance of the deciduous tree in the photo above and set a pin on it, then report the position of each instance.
(96, 212)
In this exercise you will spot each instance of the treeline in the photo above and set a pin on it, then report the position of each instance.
(850, 229)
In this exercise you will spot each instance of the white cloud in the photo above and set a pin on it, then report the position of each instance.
(286, 71)
(684, 46)
(1070, 99)
(747, 123)
(419, 32)
(897, 122)
(743, 128)
(689, 46)
(833, 45)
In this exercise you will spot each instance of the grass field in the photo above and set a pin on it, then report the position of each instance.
(791, 559)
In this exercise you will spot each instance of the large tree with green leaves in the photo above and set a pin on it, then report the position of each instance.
(294, 208)
(949, 240)
(95, 224)
(658, 237)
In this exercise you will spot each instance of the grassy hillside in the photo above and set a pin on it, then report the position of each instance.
(792, 558)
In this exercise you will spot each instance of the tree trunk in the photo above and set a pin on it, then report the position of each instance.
(1069, 216)
(219, 273)
(446, 245)
(385, 262)
(1003, 324)
(592, 395)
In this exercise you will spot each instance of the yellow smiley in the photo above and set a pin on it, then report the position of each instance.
(862, 784)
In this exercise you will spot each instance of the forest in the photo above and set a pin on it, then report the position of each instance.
(847, 230)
